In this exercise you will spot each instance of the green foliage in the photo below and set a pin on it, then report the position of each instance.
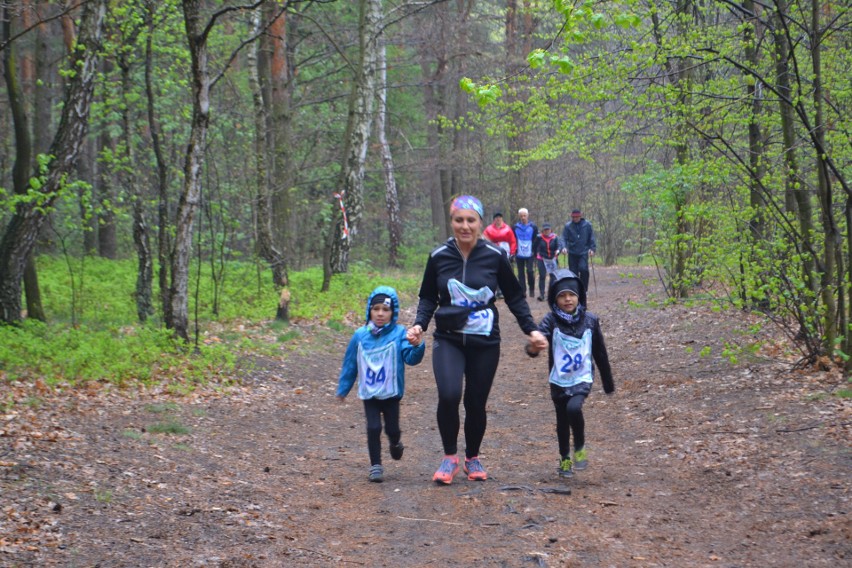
(107, 344)
(102, 495)
(171, 426)
(348, 292)
(160, 408)
(132, 434)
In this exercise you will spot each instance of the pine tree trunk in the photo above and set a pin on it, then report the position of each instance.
(263, 218)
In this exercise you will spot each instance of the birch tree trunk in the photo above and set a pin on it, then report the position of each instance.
(20, 236)
(350, 186)
(391, 196)
(196, 34)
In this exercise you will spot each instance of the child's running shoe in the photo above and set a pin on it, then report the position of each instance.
(580, 459)
(565, 469)
(447, 471)
(474, 470)
(377, 473)
(396, 450)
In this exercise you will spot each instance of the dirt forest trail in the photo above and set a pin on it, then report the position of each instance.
(694, 462)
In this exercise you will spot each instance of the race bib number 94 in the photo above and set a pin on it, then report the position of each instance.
(572, 359)
(377, 372)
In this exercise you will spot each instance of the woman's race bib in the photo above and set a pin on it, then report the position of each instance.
(572, 359)
(377, 372)
(505, 246)
(524, 248)
(479, 322)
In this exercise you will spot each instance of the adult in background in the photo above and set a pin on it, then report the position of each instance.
(466, 271)
(501, 234)
(547, 254)
(526, 234)
(578, 240)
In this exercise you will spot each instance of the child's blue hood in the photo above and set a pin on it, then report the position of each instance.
(388, 291)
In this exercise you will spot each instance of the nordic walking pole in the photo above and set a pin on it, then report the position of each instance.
(594, 279)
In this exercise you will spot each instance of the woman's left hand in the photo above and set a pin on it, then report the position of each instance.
(538, 340)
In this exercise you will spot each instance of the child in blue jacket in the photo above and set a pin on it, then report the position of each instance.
(576, 346)
(376, 357)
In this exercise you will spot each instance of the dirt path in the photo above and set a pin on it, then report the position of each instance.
(693, 462)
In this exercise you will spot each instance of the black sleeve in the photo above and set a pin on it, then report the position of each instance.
(602, 359)
(428, 296)
(515, 298)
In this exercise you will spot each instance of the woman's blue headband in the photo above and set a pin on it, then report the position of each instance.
(468, 202)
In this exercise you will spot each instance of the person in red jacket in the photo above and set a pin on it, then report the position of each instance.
(501, 235)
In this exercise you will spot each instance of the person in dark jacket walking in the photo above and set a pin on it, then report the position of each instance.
(462, 277)
(578, 240)
(576, 346)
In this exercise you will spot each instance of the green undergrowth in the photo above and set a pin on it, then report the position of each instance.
(93, 333)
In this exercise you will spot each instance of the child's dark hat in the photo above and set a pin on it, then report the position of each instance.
(380, 299)
(568, 285)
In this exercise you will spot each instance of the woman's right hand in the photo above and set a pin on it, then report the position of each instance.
(538, 341)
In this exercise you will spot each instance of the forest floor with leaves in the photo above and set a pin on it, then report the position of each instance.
(695, 461)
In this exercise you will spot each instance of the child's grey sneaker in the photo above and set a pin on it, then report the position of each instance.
(581, 461)
(377, 473)
(565, 468)
(396, 450)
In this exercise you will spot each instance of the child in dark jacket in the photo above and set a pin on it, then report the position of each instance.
(576, 346)
(546, 250)
(376, 357)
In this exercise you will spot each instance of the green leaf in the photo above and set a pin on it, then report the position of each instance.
(536, 58)
(566, 66)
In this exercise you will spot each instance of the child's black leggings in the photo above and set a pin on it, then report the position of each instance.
(474, 368)
(373, 409)
(569, 418)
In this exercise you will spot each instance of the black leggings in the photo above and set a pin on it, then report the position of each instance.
(373, 409)
(526, 265)
(569, 418)
(475, 366)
